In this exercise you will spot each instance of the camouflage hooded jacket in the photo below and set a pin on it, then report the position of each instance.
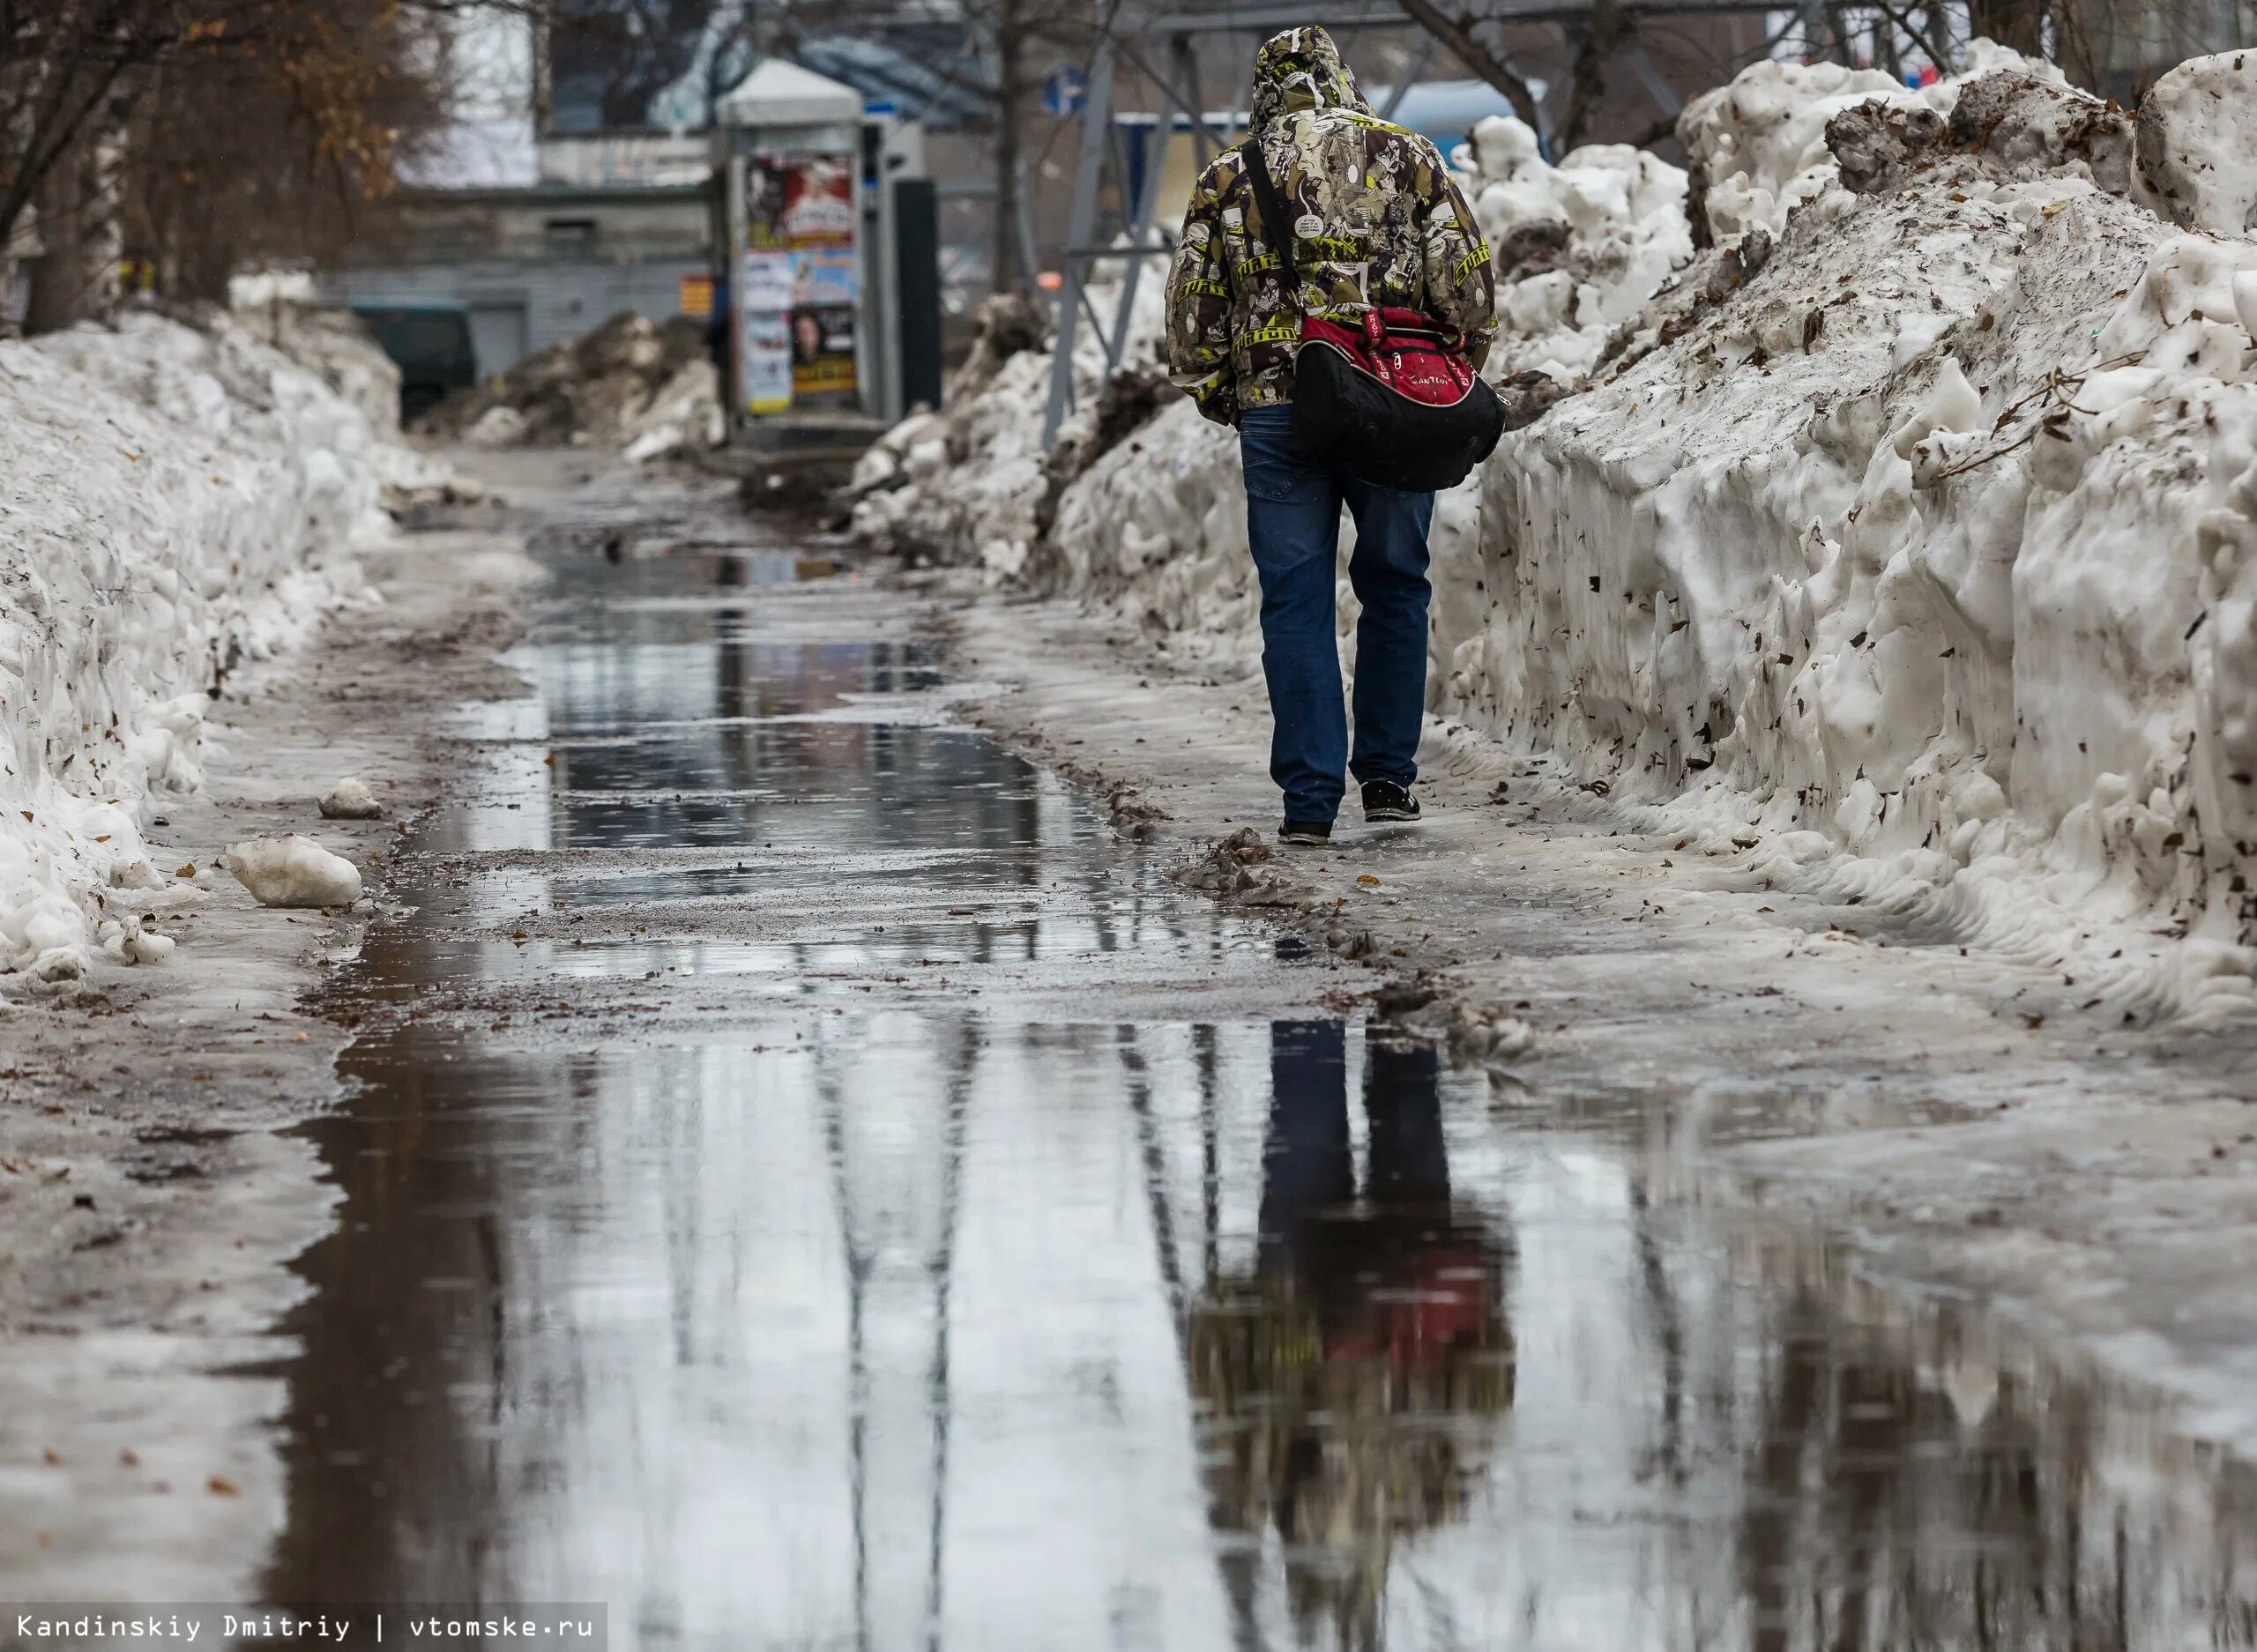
(1378, 221)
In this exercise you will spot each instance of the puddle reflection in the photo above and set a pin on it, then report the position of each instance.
(967, 1309)
(1349, 1386)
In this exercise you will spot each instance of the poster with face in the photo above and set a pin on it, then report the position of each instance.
(803, 275)
(823, 355)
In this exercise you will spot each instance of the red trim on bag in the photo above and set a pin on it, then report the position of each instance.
(1403, 350)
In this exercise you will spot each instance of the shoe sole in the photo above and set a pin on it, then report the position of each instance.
(1303, 841)
(1384, 816)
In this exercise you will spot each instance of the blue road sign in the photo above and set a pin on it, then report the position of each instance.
(1065, 89)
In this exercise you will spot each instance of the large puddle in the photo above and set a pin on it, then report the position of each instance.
(813, 1185)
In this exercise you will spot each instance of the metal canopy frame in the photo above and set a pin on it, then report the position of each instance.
(1124, 42)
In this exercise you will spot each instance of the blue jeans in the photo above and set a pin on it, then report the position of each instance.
(1292, 518)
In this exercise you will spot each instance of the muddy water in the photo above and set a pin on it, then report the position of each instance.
(812, 1186)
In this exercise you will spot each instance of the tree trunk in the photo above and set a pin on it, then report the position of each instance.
(61, 280)
(1604, 29)
(1457, 34)
(1011, 49)
(2017, 23)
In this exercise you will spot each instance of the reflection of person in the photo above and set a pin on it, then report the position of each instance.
(1310, 1229)
(1364, 1320)
(807, 336)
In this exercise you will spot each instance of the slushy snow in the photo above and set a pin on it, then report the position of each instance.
(1899, 543)
(175, 502)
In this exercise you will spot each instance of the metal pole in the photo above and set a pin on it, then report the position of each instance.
(1411, 70)
(1140, 227)
(1184, 98)
(1649, 76)
(1097, 115)
(1025, 215)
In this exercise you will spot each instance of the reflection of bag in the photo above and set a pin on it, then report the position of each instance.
(1398, 403)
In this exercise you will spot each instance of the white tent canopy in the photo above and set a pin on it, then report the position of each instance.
(780, 94)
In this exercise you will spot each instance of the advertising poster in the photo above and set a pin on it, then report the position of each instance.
(802, 280)
(768, 361)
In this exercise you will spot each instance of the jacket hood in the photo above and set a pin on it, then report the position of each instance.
(1301, 68)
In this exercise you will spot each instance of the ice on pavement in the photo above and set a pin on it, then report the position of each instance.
(175, 502)
(294, 871)
(1897, 542)
(350, 799)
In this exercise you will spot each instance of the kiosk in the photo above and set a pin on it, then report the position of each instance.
(830, 257)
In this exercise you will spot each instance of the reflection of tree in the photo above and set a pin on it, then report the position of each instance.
(1351, 1383)
(1883, 1513)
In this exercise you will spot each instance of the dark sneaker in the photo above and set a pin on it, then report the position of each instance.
(1311, 833)
(1384, 801)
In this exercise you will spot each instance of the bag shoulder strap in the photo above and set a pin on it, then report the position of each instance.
(1274, 217)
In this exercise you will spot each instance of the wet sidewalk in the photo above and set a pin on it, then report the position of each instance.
(814, 1185)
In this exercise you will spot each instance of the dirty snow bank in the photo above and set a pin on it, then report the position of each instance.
(1904, 551)
(1930, 543)
(175, 501)
(646, 387)
(975, 482)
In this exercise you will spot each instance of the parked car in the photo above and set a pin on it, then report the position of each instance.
(430, 343)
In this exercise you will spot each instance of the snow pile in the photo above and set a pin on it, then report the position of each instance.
(684, 416)
(974, 482)
(1760, 150)
(1578, 248)
(175, 501)
(1929, 541)
(649, 388)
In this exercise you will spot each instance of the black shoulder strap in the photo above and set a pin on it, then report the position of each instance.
(1274, 219)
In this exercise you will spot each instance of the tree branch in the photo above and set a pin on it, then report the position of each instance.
(1610, 24)
(1458, 36)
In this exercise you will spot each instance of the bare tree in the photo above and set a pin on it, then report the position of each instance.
(222, 129)
(1610, 24)
(1457, 33)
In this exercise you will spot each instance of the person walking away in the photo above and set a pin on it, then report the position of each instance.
(1377, 221)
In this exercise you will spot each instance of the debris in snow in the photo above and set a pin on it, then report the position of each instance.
(294, 871)
(350, 799)
(629, 384)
